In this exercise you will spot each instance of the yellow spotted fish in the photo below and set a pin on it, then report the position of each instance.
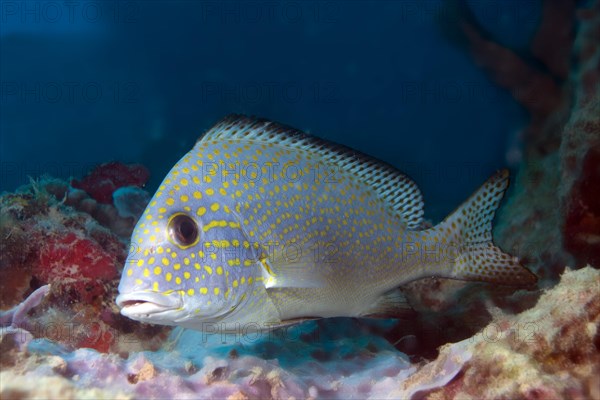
(261, 225)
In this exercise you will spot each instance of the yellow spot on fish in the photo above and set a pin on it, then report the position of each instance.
(140, 262)
(186, 275)
(208, 269)
(157, 270)
(214, 207)
(201, 211)
(197, 195)
(165, 261)
(168, 276)
(146, 272)
(178, 280)
(170, 201)
(216, 290)
(219, 270)
(203, 290)
(190, 292)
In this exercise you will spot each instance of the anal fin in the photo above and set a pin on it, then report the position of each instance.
(392, 304)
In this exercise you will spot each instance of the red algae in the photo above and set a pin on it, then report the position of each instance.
(80, 263)
(102, 182)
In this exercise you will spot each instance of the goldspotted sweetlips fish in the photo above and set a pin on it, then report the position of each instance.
(263, 225)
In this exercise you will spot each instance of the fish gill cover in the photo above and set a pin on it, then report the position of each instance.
(447, 92)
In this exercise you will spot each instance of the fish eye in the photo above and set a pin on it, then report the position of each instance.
(183, 230)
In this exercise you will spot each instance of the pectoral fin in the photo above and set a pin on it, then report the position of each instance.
(280, 273)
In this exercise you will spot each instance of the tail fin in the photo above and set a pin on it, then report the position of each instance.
(478, 258)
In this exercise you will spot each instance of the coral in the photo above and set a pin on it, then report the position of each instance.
(130, 201)
(202, 366)
(106, 178)
(52, 235)
(550, 351)
(15, 326)
(108, 215)
(50, 242)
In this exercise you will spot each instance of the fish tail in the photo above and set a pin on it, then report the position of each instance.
(477, 257)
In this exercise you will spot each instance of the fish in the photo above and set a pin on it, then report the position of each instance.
(262, 225)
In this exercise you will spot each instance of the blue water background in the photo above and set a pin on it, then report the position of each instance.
(89, 82)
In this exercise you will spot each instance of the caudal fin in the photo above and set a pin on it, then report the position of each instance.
(478, 258)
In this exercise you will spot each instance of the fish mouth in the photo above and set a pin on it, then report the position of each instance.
(147, 303)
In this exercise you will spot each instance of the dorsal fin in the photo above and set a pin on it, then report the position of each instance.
(396, 189)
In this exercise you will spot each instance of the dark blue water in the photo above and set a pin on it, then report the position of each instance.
(89, 82)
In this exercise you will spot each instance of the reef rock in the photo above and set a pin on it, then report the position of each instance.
(551, 351)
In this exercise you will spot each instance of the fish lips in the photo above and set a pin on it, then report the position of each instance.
(146, 303)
